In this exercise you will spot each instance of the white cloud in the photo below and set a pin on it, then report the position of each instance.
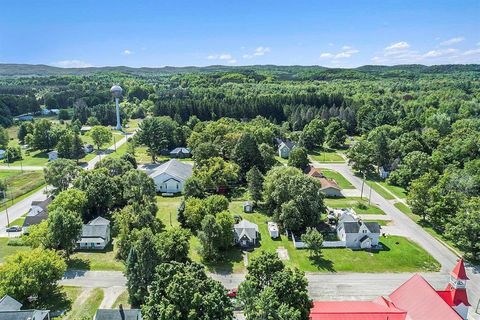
(232, 61)
(247, 56)
(127, 52)
(440, 53)
(222, 56)
(402, 45)
(72, 64)
(451, 41)
(471, 52)
(346, 47)
(346, 54)
(260, 51)
(326, 55)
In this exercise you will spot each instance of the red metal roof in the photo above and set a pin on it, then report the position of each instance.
(421, 301)
(459, 271)
(454, 297)
(378, 309)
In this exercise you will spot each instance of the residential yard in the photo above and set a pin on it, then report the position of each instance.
(92, 260)
(399, 192)
(375, 186)
(326, 156)
(20, 184)
(6, 250)
(360, 206)
(86, 304)
(400, 254)
(341, 180)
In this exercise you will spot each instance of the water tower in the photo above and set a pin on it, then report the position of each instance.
(117, 93)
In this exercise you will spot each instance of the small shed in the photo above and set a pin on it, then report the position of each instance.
(84, 129)
(88, 148)
(273, 229)
(52, 155)
(247, 207)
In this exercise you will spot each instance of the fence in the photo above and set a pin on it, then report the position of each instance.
(326, 244)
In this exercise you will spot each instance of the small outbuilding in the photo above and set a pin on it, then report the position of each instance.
(246, 234)
(95, 235)
(273, 229)
(88, 148)
(52, 155)
(247, 207)
(2, 153)
(180, 153)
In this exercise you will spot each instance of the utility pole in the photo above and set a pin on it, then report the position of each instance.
(363, 182)
(370, 196)
(114, 143)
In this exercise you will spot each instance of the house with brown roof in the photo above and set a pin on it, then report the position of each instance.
(329, 187)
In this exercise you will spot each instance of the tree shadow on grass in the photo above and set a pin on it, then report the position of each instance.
(77, 263)
(57, 301)
(320, 263)
(226, 262)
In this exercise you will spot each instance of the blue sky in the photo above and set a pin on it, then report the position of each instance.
(70, 33)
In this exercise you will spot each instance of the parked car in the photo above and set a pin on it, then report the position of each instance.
(232, 293)
(14, 229)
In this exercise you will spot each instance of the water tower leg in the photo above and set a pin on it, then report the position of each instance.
(119, 124)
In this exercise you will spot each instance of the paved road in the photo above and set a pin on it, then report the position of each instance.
(22, 207)
(412, 230)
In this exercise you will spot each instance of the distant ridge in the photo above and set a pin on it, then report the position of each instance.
(16, 70)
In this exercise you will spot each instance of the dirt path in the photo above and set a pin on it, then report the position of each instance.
(110, 295)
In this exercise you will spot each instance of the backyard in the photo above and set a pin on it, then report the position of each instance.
(341, 180)
(326, 156)
(360, 206)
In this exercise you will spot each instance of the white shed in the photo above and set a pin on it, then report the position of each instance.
(273, 229)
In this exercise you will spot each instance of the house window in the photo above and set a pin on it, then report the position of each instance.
(364, 231)
(98, 244)
(177, 186)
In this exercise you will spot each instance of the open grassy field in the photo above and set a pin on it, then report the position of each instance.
(93, 260)
(360, 206)
(326, 156)
(20, 184)
(342, 182)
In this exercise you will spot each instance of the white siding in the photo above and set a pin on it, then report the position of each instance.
(165, 183)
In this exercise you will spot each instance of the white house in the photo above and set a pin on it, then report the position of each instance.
(273, 229)
(118, 314)
(95, 234)
(245, 233)
(2, 153)
(247, 207)
(358, 234)
(383, 173)
(52, 155)
(170, 176)
(284, 148)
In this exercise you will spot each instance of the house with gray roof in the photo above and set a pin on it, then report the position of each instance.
(170, 176)
(284, 148)
(246, 234)
(10, 309)
(358, 234)
(95, 235)
(38, 212)
(118, 314)
(180, 153)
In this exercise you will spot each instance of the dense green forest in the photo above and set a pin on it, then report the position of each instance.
(420, 123)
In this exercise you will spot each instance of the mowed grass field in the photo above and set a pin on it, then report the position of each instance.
(326, 156)
(341, 180)
(20, 183)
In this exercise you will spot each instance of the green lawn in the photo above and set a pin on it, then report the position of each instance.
(91, 260)
(399, 192)
(85, 308)
(341, 180)
(406, 256)
(382, 192)
(326, 156)
(6, 250)
(360, 206)
(381, 222)
(31, 158)
(167, 210)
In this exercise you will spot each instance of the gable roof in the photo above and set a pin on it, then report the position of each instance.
(246, 228)
(378, 309)
(175, 168)
(24, 315)
(118, 314)
(287, 143)
(94, 231)
(354, 226)
(99, 221)
(180, 150)
(10, 304)
(373, 227)
(421, 301)
(314, 172)
(328, 183)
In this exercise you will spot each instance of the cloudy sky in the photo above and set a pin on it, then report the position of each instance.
(157, 33)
